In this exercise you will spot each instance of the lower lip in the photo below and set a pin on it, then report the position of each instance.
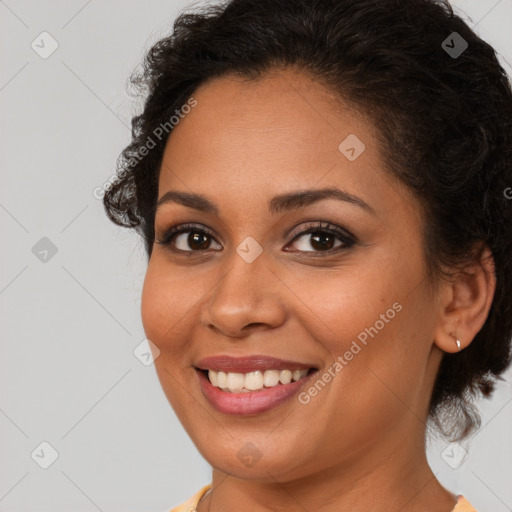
(250, 402)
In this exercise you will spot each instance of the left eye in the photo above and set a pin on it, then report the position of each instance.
(323, 238)
(320, 241)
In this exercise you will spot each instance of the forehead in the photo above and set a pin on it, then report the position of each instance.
(285, 103)
(279, 133)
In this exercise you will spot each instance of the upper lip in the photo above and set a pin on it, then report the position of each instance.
(225, 363)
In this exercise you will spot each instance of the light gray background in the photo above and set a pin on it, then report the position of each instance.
(70, 325)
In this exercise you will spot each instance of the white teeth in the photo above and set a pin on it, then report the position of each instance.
(235, 381)
(285, 377)
(222, 379)
(253, 381)
(271, 378)
(297, 374)
(213, 377)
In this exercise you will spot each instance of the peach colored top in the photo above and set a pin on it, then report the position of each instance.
(190, 505)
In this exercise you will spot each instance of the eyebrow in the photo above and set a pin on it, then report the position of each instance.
(283, 202)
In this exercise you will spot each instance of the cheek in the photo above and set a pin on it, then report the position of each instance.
(164, 305)
(152, 305)
(385, 366)
(338, 307)
(164, 308)
(377, 320)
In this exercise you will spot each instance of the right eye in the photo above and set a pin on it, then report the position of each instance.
(187, 238)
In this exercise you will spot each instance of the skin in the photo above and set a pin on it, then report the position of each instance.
(359, 444)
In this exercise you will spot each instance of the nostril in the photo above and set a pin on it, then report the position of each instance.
(255, 324)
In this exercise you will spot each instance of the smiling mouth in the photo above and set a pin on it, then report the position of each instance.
(255, 381)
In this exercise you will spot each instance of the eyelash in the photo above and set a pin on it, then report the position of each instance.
(344, 236)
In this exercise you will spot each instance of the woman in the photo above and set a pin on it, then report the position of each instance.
(329, 244)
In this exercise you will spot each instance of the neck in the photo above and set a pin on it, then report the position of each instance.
(376, 479)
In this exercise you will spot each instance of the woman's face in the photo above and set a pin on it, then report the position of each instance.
(263, 274)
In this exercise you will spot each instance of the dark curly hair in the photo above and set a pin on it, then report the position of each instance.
(444, 124)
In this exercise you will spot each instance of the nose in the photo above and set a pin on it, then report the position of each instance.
(248, 298)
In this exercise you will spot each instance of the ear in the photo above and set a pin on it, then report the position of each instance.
(464, 303)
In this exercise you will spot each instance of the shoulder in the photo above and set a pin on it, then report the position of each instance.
(463, 505)
(191, 503)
